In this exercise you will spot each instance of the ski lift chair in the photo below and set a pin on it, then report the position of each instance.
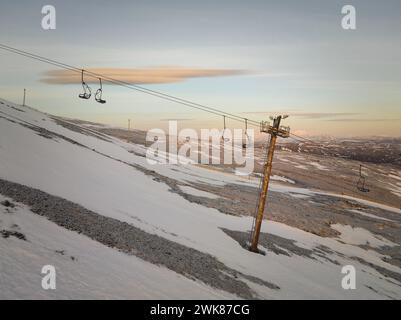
(361, 182)
(87, 90)
(224, 130)
(99, 92)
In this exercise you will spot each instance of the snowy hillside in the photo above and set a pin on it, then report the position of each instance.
(115, 226)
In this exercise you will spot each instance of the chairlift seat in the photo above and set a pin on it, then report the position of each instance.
(85, 95)
(98, 95)
(87, 90)
(101, 101)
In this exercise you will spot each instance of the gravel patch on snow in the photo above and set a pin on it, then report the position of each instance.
(198, 193)
(131, 240)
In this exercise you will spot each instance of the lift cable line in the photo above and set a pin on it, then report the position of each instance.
(275, 131)
(126, 84)
(111, 80)
(265, 126)
(133, 86)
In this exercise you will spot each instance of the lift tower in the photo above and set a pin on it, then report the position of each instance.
(275, 131)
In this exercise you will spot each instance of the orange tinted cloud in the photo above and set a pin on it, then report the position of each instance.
(138, 76)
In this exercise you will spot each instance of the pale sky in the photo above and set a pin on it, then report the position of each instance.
(277, 56)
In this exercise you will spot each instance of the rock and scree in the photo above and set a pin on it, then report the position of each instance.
(132, 240)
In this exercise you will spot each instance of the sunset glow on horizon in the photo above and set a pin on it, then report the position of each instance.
(252, 59)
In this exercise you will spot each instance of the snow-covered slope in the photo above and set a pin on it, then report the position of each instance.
(85, 269)
(111, 178)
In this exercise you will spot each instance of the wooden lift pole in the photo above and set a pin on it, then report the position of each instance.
(274, 131)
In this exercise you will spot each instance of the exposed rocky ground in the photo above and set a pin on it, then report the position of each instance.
(131, 240)
(306, 169)
(374, 150)
(311, 193)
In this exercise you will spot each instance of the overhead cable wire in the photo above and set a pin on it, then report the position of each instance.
(128, 85)
(139, 88)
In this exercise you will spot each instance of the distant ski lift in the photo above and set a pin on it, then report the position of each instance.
(99, 92)
(245, 144)
(224, 130)
(247, 141)
(224, 139)
(361, 182)
(87, 90)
